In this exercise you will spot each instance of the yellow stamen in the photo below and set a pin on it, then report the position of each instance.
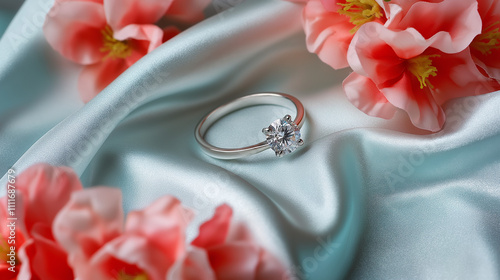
(4, 250)
(114, 48)
(123, 276)
(360, 12)
(488, 41)
(421, 67)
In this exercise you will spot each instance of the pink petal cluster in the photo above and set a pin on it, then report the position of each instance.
(108, 36)
(218, 253)
(40, 193)
(408, 55)
(84, 232)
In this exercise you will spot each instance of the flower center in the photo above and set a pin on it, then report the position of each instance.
(488, 40)
(114, 48)
(124, 276)
(5, 250)
(421, 67)
(360, 12)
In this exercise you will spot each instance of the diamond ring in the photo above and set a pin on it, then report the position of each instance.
(282, 135)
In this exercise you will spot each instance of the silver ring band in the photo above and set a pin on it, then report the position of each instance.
(280, 99)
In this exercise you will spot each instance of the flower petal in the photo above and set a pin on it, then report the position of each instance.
(420, 105)
(19, 214)
(121, 13)
(235, 261)
(269, 267)
(453, 26)
(73, 28)
(364, 94)
(327, 34)
(91, 218)
(46, 189)
(94, 78)
(143, 32)
(190, 11)
(371, 56)
(372, 36)
(5, 233)
(170, 32)
(131, 255)
(332, 5)
(42, 252)
(489, 62)
(95, 1)
(458, 76)
(6, 274)
(194, 266)
(214, 231)
(164, 224)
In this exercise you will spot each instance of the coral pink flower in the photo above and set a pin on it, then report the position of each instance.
(90, 228)
(152, 243)
(41, 191)
(486, 47)
(400, 69)
(108, 36)
(83, 232)
(216, 254)
(330, 25)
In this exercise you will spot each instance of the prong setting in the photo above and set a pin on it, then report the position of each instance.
(283, 136)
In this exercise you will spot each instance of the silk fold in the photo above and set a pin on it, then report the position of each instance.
(364, 198)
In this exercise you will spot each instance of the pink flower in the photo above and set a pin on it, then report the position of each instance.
(108, 36)
(400, 69)
(408, 54)
(485, 48)
(152, 245)
(90, 228)
(217, 254)
(41, 191)
(416, 65)
(330, 25)
(84, 233)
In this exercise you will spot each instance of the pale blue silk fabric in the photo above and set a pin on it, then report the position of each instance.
(365, 198)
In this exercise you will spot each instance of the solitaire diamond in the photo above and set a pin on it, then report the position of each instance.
(283, 136)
